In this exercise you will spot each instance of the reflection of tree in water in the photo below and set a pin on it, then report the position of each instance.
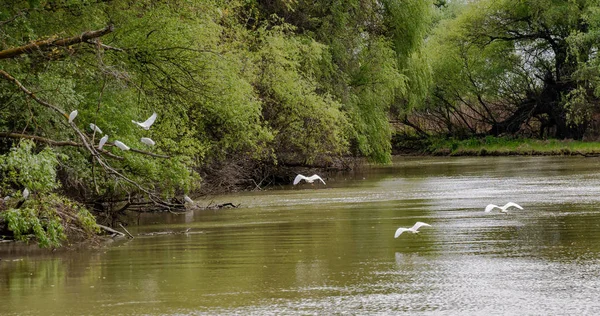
(50, 276)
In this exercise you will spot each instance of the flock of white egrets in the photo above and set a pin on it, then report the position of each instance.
(95, 129)
(417, 225)
(145, 125)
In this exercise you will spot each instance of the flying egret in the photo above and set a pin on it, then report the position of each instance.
(25, 193)
(121, 145)
(72, 116)
(310, 179)
(147, 141)
(146, 124)
(102, 141)
(413, 229)
(95, 128)
(503, 209)
(188, 199)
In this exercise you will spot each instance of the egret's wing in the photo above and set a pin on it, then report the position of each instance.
(490, 207)
(509, 204)
(399, 231)
(147, 141)
(418, 225)
(95, 128)
(316, 177)
(299, 178)
(72, 116)
(121, 145)
(150, 120)
(102, 141)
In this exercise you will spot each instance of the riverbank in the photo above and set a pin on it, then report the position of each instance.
(498, 146)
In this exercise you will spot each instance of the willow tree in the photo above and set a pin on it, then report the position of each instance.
(506, 67)
(368, 59)
(115, 62)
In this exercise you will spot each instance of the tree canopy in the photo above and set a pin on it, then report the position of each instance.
(247, 83)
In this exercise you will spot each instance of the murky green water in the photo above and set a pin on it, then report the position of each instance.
(330, 250)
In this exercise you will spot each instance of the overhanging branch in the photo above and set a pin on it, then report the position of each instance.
(46, 44)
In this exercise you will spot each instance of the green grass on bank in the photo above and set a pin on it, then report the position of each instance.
(496, 146)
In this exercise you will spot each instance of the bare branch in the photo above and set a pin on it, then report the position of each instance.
(52, 42)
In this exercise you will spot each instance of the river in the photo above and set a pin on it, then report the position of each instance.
(314, 249)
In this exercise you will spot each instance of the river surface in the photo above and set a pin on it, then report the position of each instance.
(314, 249)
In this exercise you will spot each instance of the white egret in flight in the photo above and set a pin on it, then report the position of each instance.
(503, 209)
(95, 128)
(310, 179)
(146, 124)
(102, 141)
(413, 229)
(72, 116)
(121, 145)
(147, 141)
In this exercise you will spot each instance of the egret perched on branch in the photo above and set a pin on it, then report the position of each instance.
(102, 141)
(147, 141)
(503, 209)
(188, 199)
(121, 145)
(310, 179)
(25, 193)
(72, 116)
(95, 128)
(147, 123)
(413, 229)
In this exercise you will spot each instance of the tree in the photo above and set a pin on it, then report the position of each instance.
(505, 67)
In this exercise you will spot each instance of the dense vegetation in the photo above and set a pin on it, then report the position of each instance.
(245, 90)
(239, 88)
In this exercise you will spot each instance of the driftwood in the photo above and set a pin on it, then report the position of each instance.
(112, 231)
(125, 229)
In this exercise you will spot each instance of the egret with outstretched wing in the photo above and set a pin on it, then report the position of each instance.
(413, 229)
(147, 123)
(503, 209)
(310, 179)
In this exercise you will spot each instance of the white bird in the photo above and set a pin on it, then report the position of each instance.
(310, 179)
(147, 141)
(6, 198)
(25, 193)
(95, 128)
(413, 229)
(146, 124)
(503, 209)
(121, 145)
(188, 199)
(102, 141)
(72, 116)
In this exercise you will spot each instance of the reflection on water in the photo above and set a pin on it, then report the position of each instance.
(324, 250)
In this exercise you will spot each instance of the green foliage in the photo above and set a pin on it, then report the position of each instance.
(22, 167)
(27, 223)
(267, 81)
(46, 219)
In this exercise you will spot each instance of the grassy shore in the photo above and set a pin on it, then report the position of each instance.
(495, 146)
